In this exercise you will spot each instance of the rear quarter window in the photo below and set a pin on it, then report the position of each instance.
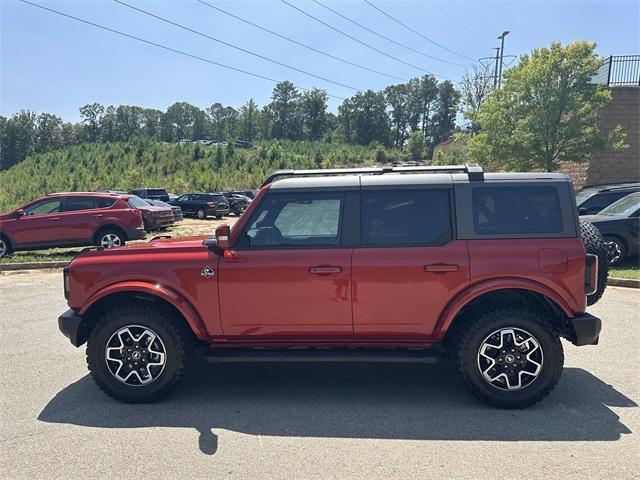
(516, 210)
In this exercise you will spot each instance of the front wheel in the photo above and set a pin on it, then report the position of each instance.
(5, 247)
(136, 353)
(201, 214)
(617, 250)
(510, 358)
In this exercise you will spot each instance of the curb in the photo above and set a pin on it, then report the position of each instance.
(623, 282)
(9, 267)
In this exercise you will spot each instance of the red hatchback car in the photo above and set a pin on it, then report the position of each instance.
(70, 220)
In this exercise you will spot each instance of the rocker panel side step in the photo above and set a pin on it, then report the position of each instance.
(318, 355)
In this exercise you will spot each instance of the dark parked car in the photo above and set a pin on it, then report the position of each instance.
(154, 217)
(619, 224)
(247, 193)
(243, 144)
(177, 211)
(70, 220)
(237, 203)
(202, 205)
(151, 194)
(590, 200)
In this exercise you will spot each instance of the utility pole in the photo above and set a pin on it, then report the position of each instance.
(495, 75)
(501, 37)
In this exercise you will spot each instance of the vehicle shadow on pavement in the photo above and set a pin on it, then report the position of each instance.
(383, 401)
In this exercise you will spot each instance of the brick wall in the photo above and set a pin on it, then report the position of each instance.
(610, 166)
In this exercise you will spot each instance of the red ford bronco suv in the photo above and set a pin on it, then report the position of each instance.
(400, 264)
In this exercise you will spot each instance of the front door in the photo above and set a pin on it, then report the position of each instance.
(40, 223)
(409, 266)
(290, 276)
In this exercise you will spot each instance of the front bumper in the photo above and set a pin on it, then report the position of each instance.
(586, 329)
(74, 327)
(136, 234)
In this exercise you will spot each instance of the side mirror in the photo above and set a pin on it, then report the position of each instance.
(20, 213)
(223, 234)
(582, 211)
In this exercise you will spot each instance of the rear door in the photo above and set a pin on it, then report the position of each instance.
(40, 223)
(81, 216)
(409, 265)
(290, 276)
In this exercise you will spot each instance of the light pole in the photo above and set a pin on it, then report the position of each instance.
(501, 37)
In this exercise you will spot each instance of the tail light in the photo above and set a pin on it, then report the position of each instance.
(212, 204)
(65, 282)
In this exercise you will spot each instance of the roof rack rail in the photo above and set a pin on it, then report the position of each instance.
(473, 170)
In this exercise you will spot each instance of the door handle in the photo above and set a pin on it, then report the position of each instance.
(441, 268)
(54, 218)
(99, 215)
(324, 269)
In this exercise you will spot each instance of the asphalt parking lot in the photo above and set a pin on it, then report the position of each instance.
(309, 421)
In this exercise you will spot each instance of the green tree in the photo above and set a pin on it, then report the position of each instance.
(416, 145)
(444, 119)
(313, 109)
(370, 119)
(249, 120)
(547, 111)
(285, 107)
(90, 114)
(48, 134)
(399, 99)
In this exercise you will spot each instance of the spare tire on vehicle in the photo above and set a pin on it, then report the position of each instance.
(594, 244)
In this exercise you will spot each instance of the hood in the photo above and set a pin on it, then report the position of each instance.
(154, 246)
(153, 208)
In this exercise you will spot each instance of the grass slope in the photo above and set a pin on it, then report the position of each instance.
(179, 168)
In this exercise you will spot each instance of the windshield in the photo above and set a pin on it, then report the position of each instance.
(625, 206)
(137, 202)
(582, 195)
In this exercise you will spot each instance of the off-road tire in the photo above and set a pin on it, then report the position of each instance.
(201, 214)
(175, 335)
(539, 326)
(594, 244)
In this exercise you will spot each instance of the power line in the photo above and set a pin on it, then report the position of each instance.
(300, 43)
(357, 40)
(469, 18)
(385, 37)
(164, 47)
(244, 50)
(418, 33)
(455, 18)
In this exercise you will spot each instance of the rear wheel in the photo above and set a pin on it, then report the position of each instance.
(510, 358)
(595, 244)
(136, 353)
(110, 238)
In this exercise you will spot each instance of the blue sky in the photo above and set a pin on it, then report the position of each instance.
(53, 64)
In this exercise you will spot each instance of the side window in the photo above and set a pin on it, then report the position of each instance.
(104, 202)
(516, 210)
(43, 207)
(72, 204)
(295, 220)
(602, 200)
(406, 218)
